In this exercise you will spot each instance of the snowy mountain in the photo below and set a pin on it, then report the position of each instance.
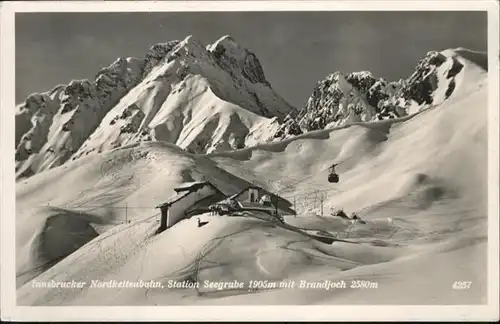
(202, 99)
(94, 219)
(342, 99)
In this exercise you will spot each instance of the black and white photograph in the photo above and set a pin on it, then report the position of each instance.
(264, 154)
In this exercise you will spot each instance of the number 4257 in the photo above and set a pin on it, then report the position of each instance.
(462, 284)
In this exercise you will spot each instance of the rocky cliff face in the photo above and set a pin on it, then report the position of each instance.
(342, 98)
(48, 124)
(234, 59)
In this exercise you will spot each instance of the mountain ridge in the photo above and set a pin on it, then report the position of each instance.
(208, 99)
(54, 126)
(343, 98)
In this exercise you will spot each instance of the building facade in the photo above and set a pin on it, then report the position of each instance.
(173, 210)
(197, 197)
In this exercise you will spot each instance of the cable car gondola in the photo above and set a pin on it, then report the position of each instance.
(333, 177)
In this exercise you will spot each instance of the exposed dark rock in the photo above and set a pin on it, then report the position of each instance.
(249, 66)
(156, 54)
(451, 88)
(421, 90)
(455, 68)
(67, 107)
(288, 127)
(387, 100)
(362, 81)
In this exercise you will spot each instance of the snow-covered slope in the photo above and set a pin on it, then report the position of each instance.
(201, 98)
(86, 197)
(420, 182)
(51, 126)
(342, 99)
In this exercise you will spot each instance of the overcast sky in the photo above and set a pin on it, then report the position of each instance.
(296, 49)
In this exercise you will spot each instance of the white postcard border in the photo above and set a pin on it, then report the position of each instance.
(9, 310)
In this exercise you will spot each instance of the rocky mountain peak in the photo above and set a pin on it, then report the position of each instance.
(230, 56)
(156, 54)
(136, 99)
(359, 96)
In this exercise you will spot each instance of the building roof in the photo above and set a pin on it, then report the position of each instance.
(194, 185)
(232, 192)
(265, 192)
(174, 199)
(188, 187)
(237, 194)
(228, 188)
(205, 202)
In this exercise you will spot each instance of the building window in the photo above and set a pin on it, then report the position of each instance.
(253, 195)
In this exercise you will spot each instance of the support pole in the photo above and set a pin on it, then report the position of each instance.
(277, 199)
(321, 200)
